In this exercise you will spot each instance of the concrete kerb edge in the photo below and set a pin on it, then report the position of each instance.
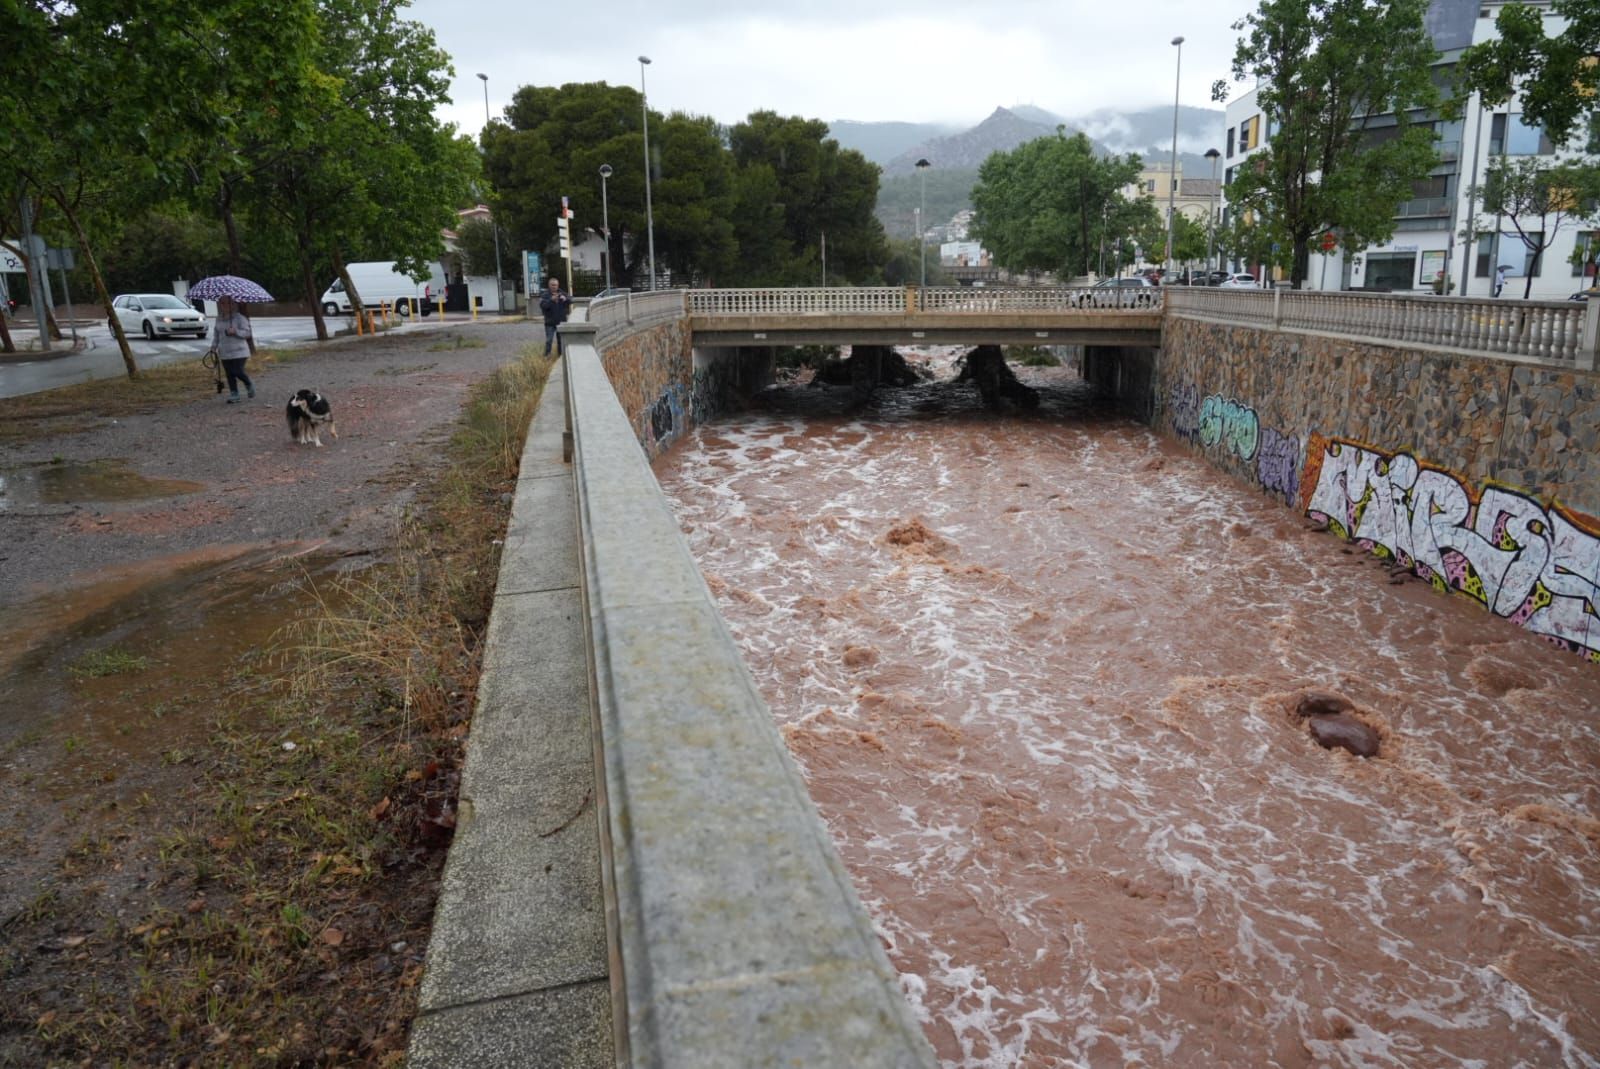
(641, 994)
(438, 1002)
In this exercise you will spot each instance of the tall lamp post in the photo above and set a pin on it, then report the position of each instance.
(1172, 176)
(922, 211)
(649, 216)
(605, 218)
(1211, 224)
(499, 299)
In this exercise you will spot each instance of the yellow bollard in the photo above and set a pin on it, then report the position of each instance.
(441, 309)
(359, 319)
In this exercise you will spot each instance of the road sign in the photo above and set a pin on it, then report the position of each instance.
(565, 236)
(1330, 241)
(533, 266)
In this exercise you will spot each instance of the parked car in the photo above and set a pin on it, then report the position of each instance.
(1239, 282)
(157, 315)
(1585, 295)
(1119, 293)
(613, 291)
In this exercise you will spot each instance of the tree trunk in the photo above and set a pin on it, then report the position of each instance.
(1302, 262)
(6, 344)
(99, 285)
(309, 282)
(356, 306)
(231, 229)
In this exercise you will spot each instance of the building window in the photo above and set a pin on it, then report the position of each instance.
(1227, 176)
(1231, 132)
(1524, 140)
(1583, 253)
(1485, 253)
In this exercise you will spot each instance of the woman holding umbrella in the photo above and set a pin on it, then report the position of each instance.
(233, 347)
(233, 327)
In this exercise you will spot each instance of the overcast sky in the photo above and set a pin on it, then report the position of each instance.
(928, 61)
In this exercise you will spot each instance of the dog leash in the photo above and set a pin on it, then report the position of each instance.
(213, 360)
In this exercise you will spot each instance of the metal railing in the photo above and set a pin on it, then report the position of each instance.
(886, 300)
(627, 312)
(1556, 332)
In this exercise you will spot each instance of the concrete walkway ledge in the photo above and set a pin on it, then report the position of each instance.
(518, 966)
(742, 942)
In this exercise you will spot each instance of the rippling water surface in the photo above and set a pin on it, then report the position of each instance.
(1039, 673)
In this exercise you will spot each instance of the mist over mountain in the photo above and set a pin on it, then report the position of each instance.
(881, 142)
(896, 146)
(956, 154)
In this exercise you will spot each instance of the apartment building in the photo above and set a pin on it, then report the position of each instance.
(1430, 243)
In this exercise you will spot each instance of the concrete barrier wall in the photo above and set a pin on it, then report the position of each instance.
(1481, 475)
(742, 943)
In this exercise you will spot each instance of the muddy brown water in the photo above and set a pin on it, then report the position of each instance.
(1039, 673)
(70, 482)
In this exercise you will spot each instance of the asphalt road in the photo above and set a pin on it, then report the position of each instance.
(99, 358)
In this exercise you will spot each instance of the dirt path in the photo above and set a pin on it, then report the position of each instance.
(256, 486)
(147, 560)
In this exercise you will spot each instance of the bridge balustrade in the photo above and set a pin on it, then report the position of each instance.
(1554, 332)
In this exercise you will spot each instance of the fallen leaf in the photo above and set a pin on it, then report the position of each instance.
(380, 809)
(45, 1019)
(196, 905)
(74, 941)
(332, 936)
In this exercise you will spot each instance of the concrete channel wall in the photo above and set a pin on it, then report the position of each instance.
(741, 941)
(1480, 474)
(639, 877)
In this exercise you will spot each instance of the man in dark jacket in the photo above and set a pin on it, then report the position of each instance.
(555, 305)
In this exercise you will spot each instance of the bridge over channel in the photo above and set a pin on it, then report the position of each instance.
(639, 877)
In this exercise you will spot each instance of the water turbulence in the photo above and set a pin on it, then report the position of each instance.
(1058, 689)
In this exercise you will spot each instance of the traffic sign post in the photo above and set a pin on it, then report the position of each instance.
(564, 230)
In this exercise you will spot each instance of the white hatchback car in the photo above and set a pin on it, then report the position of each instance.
(1239, 282)
(157, 315)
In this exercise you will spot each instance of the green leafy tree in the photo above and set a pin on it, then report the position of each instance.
(1558, 77)
(821, 189)
(1538, 201)
(380, 178)
(1329, 72)
(1045, 205)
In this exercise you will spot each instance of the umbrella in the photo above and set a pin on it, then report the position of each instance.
(241, 290)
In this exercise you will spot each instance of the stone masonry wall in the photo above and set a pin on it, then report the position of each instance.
(1481, 476)
(666, 387)
(652, 372)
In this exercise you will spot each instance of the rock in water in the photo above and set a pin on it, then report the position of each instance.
(1321, 703)
(1346, 732)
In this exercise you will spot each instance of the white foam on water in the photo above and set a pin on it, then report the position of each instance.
(1169, 871)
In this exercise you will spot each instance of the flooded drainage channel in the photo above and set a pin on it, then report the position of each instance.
(1054, 685)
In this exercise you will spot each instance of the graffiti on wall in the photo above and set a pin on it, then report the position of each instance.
(1536, 565)
(1233, 425)
(1278, 464)
(1183, 406)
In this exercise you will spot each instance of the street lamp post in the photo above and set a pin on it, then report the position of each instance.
(922, 210)
(649, 215)
(605, 218)
(1211, 218)
(1172, 176)
(499, 300)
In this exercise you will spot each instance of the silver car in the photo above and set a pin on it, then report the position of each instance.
(157, 315)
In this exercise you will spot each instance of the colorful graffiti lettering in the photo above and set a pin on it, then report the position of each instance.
(1183, 406)
(1232, 424)
(1278, 464)
(1537, 566)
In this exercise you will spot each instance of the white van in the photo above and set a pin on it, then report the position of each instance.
(379, 281)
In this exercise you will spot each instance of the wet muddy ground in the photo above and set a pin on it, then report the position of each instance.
(1040, 671)
(147, 567)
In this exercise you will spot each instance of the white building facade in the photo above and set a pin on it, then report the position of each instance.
(1430, 249)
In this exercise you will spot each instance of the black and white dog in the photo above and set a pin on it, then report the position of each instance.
(308, 412)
